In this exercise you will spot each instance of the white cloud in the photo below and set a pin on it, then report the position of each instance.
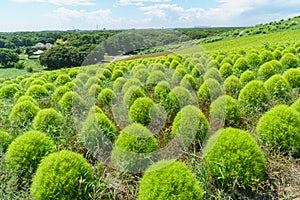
(139, 2)
(61, 2)
(228, 13)
(83, 19)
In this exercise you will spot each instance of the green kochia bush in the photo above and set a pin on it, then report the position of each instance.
(240, 66)
(266, 71)
(232, 86)
(9, 90)
(210, 90)
(189, 82)
(277, 86)
(225, 108)
(105, 97)
(161, 90)
(132, 94)
(37, 91)
(280, 128)
(27, 98)
(62, 175)
(70, 100)
(246, 77)
(266, 56)
(177, 99)
(226, 70)
(233, 155)
(26, 151)
(169, 179)
(140, 110)
(48, 120)
(296, 105)
(289, 60)
(59, 92)
(214, 74)
(5, 140)
(23, 112)
(63, 79)
(96, 127)
(190, 123)
(254, 94)
(133, 149)
(293, 77)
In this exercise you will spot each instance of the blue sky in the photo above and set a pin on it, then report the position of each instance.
(34, 15)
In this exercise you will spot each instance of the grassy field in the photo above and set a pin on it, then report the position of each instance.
(158, 80)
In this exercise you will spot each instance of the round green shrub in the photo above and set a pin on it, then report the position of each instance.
(62, 175)
(59, 92)
(176, 77)
(97, 131)
(290, 60)
(225, 108)
(246, 77)
(140, 111)
(296, 105)
(232, 86)
(118, 84)
(91, 81)
(132, 94)
(277, 54)
(62, 79)
(38, 82)
(105, 97)
(131, 82)
(133, 149)
(37, 91)
(277, 86)
(49, 86)
(23, 112)
(26, 152)
(155, 77)
(190, 123)
(293, 77)
(169, 179)
(5, 140)
(27, 98)
(266, 71)
(73, 73)
(189, 82)
(266, 56)
(253, 95)
(94, 90)
(178, 98)
(161, 90)
(240, 66)
(116, 74)
(9, 90)
(210, 90)
(214, 74)
(70, 100)
(226, 60)
(226, 70)
(48, 121)
(142, 75)
(253, 59)
(280, 128)
(276, 65)
(233, 155)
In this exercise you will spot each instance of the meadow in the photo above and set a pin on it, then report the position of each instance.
(213, 121)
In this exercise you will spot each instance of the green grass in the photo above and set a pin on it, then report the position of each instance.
(8, 73)
(254, 41)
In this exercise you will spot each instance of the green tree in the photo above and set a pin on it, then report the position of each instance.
(8, 57)
(61, 57)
